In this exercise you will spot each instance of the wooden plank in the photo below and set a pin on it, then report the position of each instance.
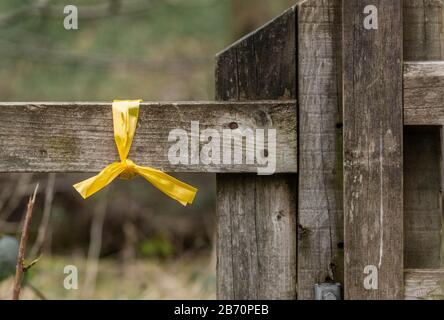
(256, 226)
(424, 93)
(373, 159)
(60, 137)
(424, 284)
(423, 34)
(423, 41)
(256, 216)
(320, 214)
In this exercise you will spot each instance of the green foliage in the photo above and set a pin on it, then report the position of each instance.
(156, 247)
(158, 53)
(8, 256)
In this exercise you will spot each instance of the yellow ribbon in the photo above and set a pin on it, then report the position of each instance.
(125, 115)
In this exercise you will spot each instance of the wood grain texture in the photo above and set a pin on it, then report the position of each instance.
(423, 41)
(424, 284)
(256, 237)
(256, 216)
(423, 34)
(67, 137)
(320, 214)
(373, 158)
(424, 93)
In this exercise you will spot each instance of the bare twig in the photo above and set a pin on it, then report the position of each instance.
(29, 266)
(47, 207)
(22, 248)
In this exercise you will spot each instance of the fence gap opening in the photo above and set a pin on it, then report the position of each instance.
(423, 211)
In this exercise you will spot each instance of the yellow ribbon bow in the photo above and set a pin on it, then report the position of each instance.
(125, 115)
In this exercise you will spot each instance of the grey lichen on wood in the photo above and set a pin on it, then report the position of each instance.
(78, 137)
(256, 216)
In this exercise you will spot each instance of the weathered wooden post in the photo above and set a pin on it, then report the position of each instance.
(256, 229)
(373, 144)
(320, 202)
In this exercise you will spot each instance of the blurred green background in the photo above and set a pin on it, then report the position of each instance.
(130, 241)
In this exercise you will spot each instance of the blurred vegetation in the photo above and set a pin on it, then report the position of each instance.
(128, 49)
(162, 51)
(143, 279)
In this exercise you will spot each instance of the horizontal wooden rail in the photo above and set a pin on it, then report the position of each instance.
(78, 137)
(424, 284)
(424, 93)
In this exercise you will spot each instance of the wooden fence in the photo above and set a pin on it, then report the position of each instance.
(357, 189)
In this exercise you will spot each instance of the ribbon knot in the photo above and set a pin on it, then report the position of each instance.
(130, 170)
(125, 115)
(129, 165)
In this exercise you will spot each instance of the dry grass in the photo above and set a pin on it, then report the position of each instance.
(144, 279)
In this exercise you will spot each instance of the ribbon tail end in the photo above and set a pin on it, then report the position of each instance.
(190, 198)
(78, 188)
